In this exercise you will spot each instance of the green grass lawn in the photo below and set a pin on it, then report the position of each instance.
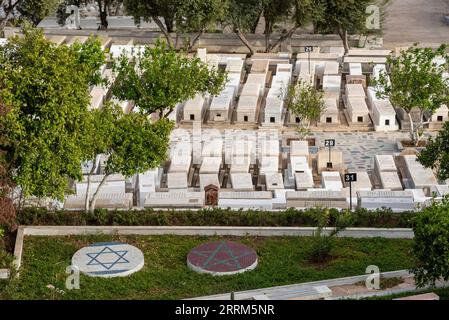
(165, 274)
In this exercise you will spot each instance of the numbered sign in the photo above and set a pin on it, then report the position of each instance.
(308, 49)
(329, 143)
(351, 177)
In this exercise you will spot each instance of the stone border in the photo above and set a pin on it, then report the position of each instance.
(198, 231)
(248, 294)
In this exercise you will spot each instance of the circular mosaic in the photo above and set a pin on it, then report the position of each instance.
(108, 259)
(222, 258)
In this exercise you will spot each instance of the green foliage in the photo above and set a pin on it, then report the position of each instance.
(322, 244)
(436, 154)
(199, 15)
(46, 89)
(216, 217)
(431, 244)
(416, 82)
(137, 145)
(36, 10)
(244, 15)
(342, 17)
(306, 102)
(147, 10)
(163, 78)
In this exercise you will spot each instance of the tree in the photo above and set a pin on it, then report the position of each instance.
(148, 10)
(104, 6)
(306, 103)
(243, 17)
(8, 7)
(163, 78)
(36, 10)
(45, 88)
(180, 16)
(436, 154)
(431, 244)
(416, 82)
(132, 142)
(343, 17)
(199, 16)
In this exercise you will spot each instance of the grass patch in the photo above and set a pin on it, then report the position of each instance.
(282, 261)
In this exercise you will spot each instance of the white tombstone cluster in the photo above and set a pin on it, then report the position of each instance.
(250, 168)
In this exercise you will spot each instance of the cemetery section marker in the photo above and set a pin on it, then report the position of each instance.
(108, 259)
(222, 258)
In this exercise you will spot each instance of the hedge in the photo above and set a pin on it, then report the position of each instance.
(382, 218)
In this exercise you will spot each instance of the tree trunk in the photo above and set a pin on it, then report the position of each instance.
(282, 38)
(95, 196)
(169, 24)
(103, 15)
(197, 38)
(267, 35)
(343, 33)
(94, 167)
(412, 128)
(7, 12)
(163, 29)
(245, 41)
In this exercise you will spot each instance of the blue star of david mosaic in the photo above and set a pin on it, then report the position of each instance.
(211, 260)
(96, 258)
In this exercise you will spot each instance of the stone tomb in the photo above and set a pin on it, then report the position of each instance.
(110, 201)
(222, 258)
(299, 148)
(273, 181)
(108, 260)
(304, 180)
(220, 107)
(273, 113)
(177, 180)
(331, 114)
(242, 182)
(420, 177)
(211, 165)
(257, 78)
(397, 201)
(240, 164)
(260, 66)
(357, 110)
(257, 200)
(194, 109)
(331, 180)
(318, 198)
(207, 179)
(268, 165)
(175, 199)
(247, 109)
(437, 119)
(252, 90)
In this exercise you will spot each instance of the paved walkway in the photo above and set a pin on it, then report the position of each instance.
(360, 148)
(410, 21)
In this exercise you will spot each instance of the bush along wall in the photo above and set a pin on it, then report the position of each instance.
(382, 218)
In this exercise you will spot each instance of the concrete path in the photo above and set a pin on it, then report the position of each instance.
(410, 21)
